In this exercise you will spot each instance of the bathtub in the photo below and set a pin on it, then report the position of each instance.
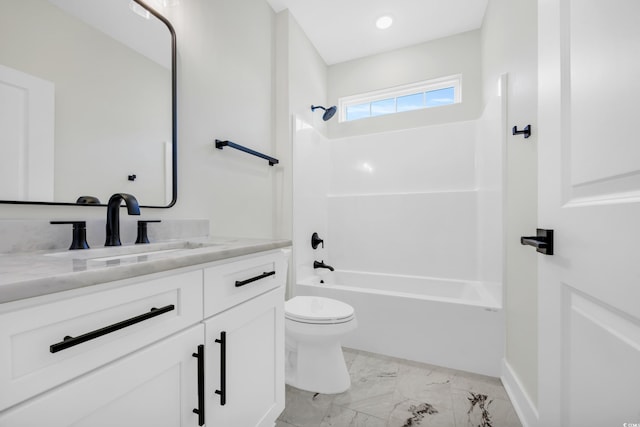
(451, 323)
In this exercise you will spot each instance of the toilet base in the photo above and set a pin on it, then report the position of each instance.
(317, 368)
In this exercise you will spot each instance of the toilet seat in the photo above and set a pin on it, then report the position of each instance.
(318, 310)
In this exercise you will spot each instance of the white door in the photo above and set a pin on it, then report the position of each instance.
(26, 136)
(153, 387)
(248, 391)
(589, 183)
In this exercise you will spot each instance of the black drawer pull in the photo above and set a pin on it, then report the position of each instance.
(253, 279)
(223, 368)
(73, 341)
(200, 410)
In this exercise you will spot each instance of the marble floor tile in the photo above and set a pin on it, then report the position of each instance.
(373, 382)
(371, 376)
(349, 356)
(479, 384)
(305, 409)
(339, 416)
(412, 413)
(476, 409)
(379, 406)
(425, 384)
(391, 392)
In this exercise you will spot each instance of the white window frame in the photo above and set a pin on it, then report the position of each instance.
(454, 81)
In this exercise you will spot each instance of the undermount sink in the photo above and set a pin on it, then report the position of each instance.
(111, 253)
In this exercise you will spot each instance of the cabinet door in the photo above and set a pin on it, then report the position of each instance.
(156, 386)
(244, 367)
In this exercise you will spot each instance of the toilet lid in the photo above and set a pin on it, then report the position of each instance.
(317, 310)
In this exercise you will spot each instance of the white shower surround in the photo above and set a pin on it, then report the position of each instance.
(420, 205)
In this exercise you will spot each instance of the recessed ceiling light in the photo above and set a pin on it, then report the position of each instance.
(384, 22)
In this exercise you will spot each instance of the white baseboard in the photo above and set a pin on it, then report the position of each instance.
(524, 407)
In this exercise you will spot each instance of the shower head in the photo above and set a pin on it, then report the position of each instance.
(328, 112)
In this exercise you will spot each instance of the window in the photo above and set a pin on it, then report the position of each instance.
(427, 94)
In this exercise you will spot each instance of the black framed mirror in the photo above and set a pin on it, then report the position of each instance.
(87, 103)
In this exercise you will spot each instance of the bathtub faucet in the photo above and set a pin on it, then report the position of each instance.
(321, 264)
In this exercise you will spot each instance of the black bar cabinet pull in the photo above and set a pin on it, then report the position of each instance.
(542, 241)
(223, 368)
(73, 341)
(253, 279)
(221, 144)
(200, 409)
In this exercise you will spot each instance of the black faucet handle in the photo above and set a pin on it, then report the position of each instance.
(79, 233)
(316, 240)
(142, 237)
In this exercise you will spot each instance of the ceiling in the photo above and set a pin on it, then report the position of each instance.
(342, 30)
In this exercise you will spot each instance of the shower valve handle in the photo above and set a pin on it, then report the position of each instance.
(316, 240)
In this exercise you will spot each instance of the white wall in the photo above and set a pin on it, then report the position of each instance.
(459, 54)
(301, 80)
(225, 91)
(509, 44)
(307, 78)
(225, 70)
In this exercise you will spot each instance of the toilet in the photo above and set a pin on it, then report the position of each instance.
(314, 327)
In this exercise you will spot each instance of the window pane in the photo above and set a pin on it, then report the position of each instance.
(411, 102)
(386, 106)
(355, 112)
(440, 97)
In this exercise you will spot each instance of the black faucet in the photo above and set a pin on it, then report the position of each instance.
(113, 216)
(321, 264)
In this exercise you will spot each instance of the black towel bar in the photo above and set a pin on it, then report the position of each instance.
(221, 144)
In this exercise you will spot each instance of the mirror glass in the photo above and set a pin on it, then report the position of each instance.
(87, 102)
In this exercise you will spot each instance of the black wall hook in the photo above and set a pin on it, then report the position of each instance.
(526, 131)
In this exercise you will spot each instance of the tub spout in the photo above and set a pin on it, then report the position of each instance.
(321, 264)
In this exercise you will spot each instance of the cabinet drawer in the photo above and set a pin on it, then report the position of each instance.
(35, 354)
(230, 284)
(156, 386)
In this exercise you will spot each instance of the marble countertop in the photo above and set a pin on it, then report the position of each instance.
(26, 275)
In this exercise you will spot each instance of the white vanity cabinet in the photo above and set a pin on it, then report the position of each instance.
(245, 363)
(245, 344)
(158, 350)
